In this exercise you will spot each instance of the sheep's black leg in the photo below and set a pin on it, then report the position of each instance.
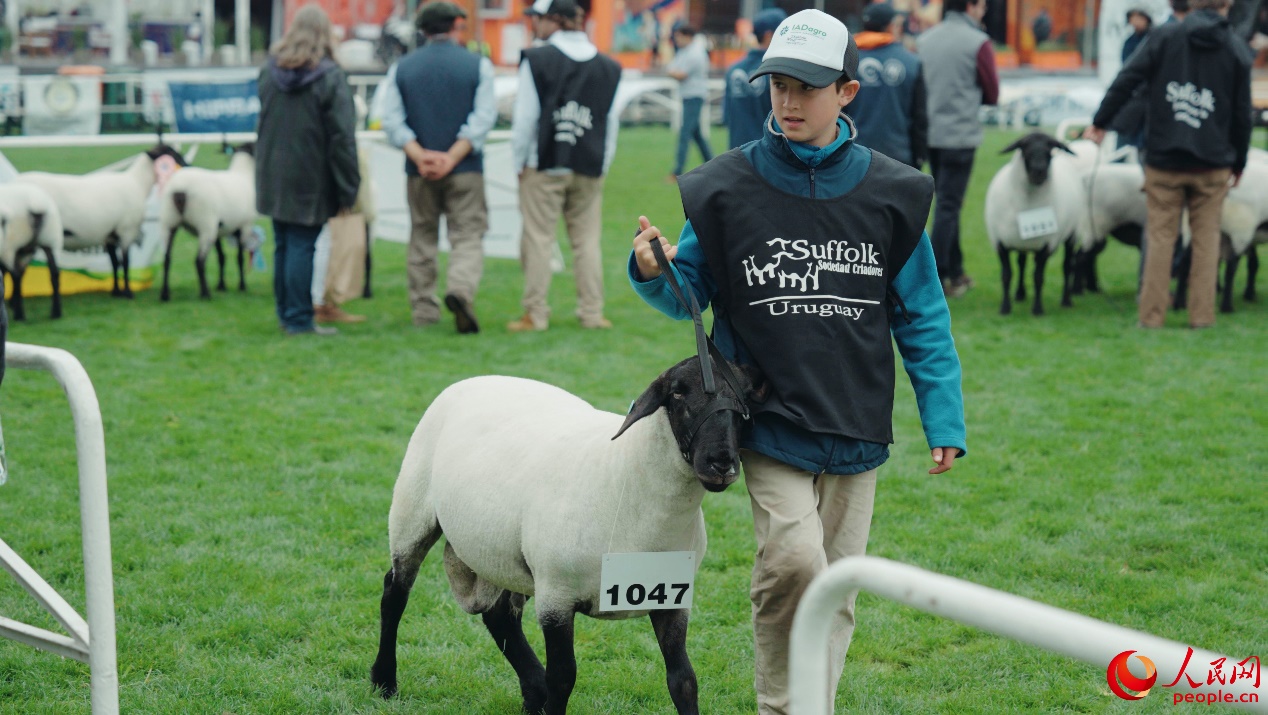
(1226, 294)
(369, 245)
(671, 634)
(1067, 272)
(1021, 276)
(242, 277)
(1041, 262)
(1252, 267)
(112, 250)
(200, 263)
(1180, 271)
(15, 298)
(220, 253)
(561, 660)
(1092, 282)
(166, 294)
(54, 279)
(125, 258)
(396, 585)
(1006, 276)
(504, 624)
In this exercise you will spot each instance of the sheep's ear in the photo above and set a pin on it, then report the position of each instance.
(759, 388)
(1013, 147)
(1058, 144)
(646, 404)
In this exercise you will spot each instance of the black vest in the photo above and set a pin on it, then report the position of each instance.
(439, 68)
(576, 98)
(805, 283)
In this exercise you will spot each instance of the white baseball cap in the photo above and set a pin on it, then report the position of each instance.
(813, 47)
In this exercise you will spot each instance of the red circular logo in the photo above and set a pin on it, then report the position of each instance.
(1121, 679)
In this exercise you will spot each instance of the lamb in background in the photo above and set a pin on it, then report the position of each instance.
(1118, 208)
(210, 204)
(29, 220)
(532, 490)
(1034, 178)
(105, 208)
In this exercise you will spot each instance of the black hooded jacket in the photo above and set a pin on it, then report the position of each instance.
(306, 153)
(1197, 78)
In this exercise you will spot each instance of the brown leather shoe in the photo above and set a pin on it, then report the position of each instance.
(334, 314)
(600, 324)
(525, 324)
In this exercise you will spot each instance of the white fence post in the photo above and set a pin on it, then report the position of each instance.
(1020, 619)
(92, 642)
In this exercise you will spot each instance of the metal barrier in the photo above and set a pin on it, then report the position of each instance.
(1020, 619)
(91, 642)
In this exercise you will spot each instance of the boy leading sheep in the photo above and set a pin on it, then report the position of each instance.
(812, 251)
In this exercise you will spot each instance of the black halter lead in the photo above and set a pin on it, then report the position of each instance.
(705, 349)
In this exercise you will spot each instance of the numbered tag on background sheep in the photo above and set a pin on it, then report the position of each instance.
(649, 581)
(1037, 223)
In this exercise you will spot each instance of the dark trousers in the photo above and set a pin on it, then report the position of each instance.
(951, 171)
(691, 130)
(293, 274)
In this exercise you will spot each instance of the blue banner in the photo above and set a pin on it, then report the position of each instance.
(221, 107)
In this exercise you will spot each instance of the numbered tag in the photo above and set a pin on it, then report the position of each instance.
(647, 581)
(1037, 223)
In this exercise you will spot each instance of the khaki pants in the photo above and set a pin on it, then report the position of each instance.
(1167, 193)
(460, 198)
(543, 198)
(802, 523)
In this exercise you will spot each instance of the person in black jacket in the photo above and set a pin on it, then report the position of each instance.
(306, 158)
(1198, 122)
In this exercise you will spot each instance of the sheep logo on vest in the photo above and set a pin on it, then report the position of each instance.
(572, 121)
(834, 256)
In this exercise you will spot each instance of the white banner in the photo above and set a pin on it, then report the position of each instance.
(61, 105)
(1114, 30)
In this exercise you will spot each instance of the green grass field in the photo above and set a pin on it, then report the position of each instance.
(1113, 472)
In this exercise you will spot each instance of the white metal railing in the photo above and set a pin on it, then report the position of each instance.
(1021, 619)
(91, 641)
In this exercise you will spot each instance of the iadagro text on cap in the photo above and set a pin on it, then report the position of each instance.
(813, 47)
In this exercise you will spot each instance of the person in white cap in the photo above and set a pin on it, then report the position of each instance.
(563, 138)
(811, 250)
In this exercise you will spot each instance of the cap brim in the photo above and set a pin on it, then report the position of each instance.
(800, 70)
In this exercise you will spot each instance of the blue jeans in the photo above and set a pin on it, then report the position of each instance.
(293, 274)
(690, 130)
(951, 171)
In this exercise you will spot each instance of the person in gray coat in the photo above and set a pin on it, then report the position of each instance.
(960, 76)
(306, 158)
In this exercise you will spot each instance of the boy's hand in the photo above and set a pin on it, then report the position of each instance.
(648, 268)
(945, 457)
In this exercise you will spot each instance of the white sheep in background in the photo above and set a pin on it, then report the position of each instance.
(532, 490)
(210, 204)
(1119, 209)
(29, 220)
(1035, 178)
(105, 208)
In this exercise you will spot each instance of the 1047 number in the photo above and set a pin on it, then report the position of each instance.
(636, 594)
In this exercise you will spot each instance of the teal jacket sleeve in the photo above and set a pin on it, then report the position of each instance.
(928, 350)
(690, 268)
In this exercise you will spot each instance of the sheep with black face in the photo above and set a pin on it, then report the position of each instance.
(532, 488)
(210, 204)
(106, 208)
(1036, 178)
